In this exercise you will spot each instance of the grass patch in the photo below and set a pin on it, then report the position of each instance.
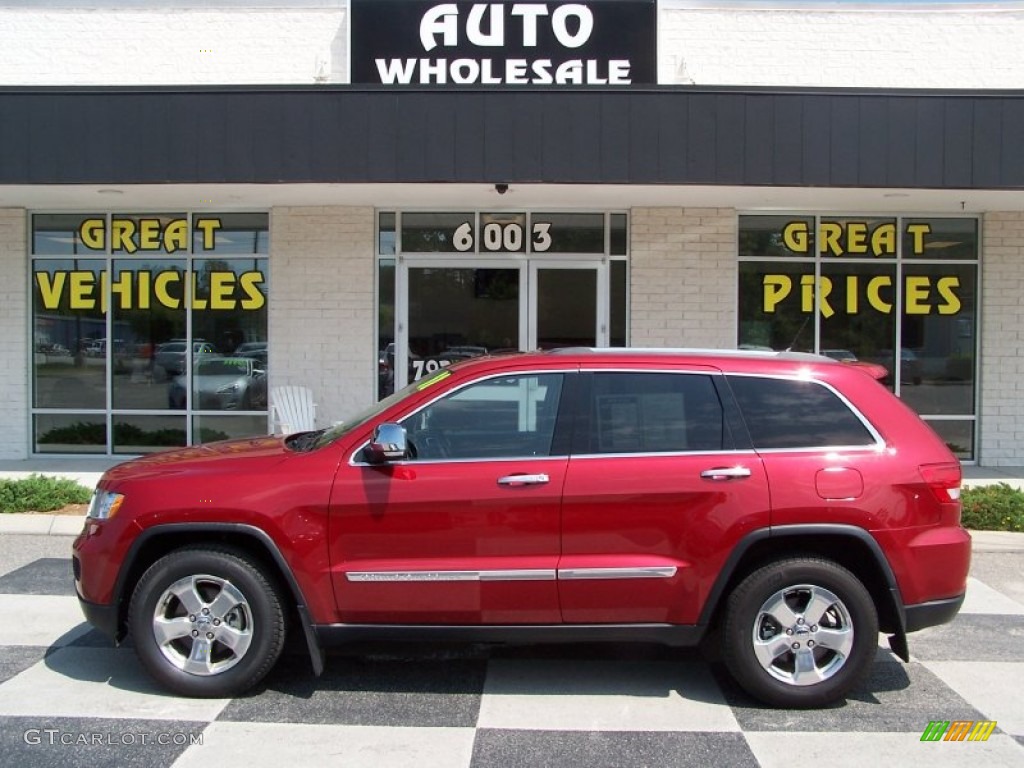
(993, 508)
(38, 493)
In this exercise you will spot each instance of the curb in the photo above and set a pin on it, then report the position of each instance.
(41, 525)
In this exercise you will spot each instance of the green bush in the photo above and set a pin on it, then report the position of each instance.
(37, 493)
(993, 508)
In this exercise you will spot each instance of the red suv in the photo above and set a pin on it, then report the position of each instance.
(788, 503)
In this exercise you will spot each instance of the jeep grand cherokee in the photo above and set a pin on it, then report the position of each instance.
(787, 502)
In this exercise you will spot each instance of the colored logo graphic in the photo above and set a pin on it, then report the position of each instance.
(958, 730)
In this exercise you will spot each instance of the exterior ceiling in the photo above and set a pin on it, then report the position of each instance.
(125, 197)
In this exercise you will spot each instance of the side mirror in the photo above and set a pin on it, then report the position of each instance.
(389, 443)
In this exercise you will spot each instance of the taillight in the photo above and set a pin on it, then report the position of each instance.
(943, 479)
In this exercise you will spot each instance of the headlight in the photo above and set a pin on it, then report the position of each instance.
(104, 504)
(229, 389)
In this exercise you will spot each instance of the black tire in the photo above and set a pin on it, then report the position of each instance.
(817, 627)
(206, 600)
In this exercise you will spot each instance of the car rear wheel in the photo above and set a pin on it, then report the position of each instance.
(800, 633)
(207, 622)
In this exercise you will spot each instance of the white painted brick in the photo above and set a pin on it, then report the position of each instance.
(166, 45)
(681, 285)
(14, 351)
(1002, 386)
(322, 306)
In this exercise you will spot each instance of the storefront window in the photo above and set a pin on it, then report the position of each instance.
(124, 337)
(899, 292)
(453, 285)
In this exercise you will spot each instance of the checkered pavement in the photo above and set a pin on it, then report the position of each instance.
(69, 698)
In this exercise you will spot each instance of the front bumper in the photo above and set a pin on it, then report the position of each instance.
(102, 617)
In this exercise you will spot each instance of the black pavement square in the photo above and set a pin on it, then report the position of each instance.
(45, 576)
(609, 749)
(15, 659)
(896, 697)
(48, 742)
(367, 691)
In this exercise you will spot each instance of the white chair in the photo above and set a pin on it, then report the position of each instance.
(292, 409)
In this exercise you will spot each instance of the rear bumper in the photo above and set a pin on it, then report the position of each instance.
(932, 613)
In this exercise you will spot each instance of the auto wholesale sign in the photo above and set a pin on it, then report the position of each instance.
(595, 43)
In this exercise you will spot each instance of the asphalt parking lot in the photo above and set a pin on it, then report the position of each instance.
(67, 697)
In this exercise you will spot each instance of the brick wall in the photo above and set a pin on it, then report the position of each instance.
(683, 277)
(322, 306)
(971, 46)
(171, 46)
(1002, 341)
(14, 340)
(869, 47)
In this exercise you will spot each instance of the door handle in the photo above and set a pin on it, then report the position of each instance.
(725, 473)
(514, 480)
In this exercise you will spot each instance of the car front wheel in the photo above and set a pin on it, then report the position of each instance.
(207, 622)
(800, 633)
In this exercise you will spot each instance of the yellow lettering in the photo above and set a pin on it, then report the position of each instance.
(883, 240)
(222, 286)
(50, 288)
(831, 232)
(917, 232)
(121, 235)
(857, 237)
(250, 282)
(160, 285)
(176, 235)
(794, 235)
(122, 287)
(776, 288)
(144, 279)
(208, 227)
(82, 286)
(93, 234)
(916, 295)
(852, 298)
(875, 285)
(945, 288)
(825, 289)
(807, 293)
(197, 301)
(149, 234)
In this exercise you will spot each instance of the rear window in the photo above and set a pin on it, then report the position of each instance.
(654, 413)
(786, 413)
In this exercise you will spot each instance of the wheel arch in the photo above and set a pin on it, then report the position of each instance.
(849, 546)
(159, 540)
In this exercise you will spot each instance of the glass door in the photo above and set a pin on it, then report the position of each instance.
(453, 311)
(448, 310)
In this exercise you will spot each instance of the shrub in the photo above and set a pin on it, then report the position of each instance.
(37, 493)
(993, 508)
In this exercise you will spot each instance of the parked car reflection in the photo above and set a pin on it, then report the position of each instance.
(169, 358)
(222, 383)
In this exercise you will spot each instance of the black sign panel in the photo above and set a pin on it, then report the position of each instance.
(591, 43)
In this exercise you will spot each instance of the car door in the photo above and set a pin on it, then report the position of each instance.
(467, 532)
(657, 493)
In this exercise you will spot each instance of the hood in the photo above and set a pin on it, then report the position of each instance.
(226, 455)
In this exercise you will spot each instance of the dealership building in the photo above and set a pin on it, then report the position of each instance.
(202, 201)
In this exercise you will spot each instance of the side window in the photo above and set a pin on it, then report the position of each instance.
(654, 413)
(785, 413)
(503, 417)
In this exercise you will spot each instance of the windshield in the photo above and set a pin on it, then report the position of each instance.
(329, 435)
